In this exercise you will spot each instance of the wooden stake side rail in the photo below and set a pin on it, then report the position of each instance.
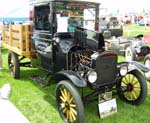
(17, 38)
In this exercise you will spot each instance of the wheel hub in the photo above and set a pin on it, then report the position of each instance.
(129, 87)
(67, 105)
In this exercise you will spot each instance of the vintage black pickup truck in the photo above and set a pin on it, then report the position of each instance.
(63, 41)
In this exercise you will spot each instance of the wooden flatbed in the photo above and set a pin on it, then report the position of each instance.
(17, 38)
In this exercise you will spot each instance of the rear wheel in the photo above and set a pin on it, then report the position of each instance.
(147, 64)
(132, 88)
(130, 54)
(69, 103)
(13, 64)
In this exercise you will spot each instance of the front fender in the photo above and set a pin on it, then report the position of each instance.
(75, 78)
(137, 65)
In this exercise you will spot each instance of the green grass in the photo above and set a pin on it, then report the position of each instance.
(39, 106)
(36, 103)
(135, 29)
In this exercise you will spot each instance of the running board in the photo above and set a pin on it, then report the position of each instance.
(39, 80)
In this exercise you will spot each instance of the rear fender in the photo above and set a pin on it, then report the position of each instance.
(75, 78)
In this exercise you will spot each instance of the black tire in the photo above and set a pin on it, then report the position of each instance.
(69, 102)
(132, 88)
(147, 64)
(130, 54)
(13, 65)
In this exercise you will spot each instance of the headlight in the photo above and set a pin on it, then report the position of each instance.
(56, 40)
(123, 70)
(92, 76)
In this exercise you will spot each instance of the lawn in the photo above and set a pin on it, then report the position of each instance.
(135, 29)
(39, 106)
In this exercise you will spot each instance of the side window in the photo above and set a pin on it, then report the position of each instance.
(41, 17)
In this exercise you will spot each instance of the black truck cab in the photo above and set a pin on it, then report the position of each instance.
(60, 18)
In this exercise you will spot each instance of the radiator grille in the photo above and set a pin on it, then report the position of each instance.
(106, 68)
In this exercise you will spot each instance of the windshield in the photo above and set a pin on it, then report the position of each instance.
(72, 14)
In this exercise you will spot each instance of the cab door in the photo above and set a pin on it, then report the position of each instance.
(42, 37)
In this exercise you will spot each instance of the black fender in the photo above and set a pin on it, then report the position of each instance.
(137, 65)
(75, 78)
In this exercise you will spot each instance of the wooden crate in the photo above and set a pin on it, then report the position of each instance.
(17, 38)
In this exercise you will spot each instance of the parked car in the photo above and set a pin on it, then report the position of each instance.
(118, 44)
(133, 48)
(108, 30)
(77, 60)
(137, 49)
(143, 22)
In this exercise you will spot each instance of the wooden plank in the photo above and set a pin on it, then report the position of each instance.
(20, 37)
(15, 28)
(10, 36)
(6, 33)
(16, 43)
(27, 37)
(15, 35)
(5, 40)
(18, 51)
(28, 54)
(3, 32)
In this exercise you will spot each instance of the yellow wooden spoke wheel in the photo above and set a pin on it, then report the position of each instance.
(132, 88)
(69, 103)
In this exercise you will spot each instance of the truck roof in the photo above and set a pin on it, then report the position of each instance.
(47, 1)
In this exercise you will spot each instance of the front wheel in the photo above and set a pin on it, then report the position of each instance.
(147, 64)
(69, 103)
(132, 88)
(13, 64)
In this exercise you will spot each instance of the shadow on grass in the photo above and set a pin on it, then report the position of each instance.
(4, 51)
(49, 89)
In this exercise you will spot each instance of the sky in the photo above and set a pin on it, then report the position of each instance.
(126, 5)
(21, 7)
(11, 8)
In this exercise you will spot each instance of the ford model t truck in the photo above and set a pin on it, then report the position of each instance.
(63, 41)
